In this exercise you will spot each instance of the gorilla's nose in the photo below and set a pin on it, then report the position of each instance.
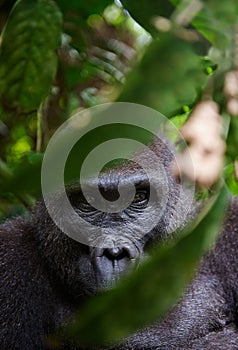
(111, 263)
(118, 253)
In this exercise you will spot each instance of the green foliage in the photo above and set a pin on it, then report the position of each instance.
(144, 11)
(169, 83)
(231, 180)
(212, 21)
(29, 164)
(226, 12)
(232, 139)
(96, 62)
(91, 7)
(28, 66)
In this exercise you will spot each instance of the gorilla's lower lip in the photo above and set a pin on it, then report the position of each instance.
(109, 271)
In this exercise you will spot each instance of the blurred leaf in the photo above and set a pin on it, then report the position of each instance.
(85, 8)
(28, 59)
(169, 76)
(232, 183)
(232, 139)
(211, 21)
(206, 22)
(212, 29)
(226, 12)
(145, 11)
(26, 176)
(180, 119)
(152, 290)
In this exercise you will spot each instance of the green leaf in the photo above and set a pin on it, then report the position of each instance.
(226, 12)
(232, 183)
(152, 290)
(210, 21)
(232, 139)
(144, 11)
(85, 8)
(169, 76)
(212, 29)
(28, 59)
(25, 176)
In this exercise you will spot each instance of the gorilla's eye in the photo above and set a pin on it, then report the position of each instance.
(78, 201)
(141, 197)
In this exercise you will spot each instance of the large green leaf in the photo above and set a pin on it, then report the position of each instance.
(151, 291)
(28, 59)
(168, 77)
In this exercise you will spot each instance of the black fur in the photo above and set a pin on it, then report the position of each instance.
(45, 276)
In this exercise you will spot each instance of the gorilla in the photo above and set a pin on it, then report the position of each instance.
(46, 275)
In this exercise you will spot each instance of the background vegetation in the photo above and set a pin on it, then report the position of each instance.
(59, 57)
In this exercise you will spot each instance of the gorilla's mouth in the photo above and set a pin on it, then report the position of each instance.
(111, 263)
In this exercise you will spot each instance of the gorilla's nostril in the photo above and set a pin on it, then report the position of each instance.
(116, 253)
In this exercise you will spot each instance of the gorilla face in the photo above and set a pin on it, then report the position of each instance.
(122, 245)
(128, 233)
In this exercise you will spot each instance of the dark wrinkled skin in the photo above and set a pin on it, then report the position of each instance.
(45, 275)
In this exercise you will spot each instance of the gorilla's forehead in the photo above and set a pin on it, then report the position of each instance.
(140, 168)
(114, 178)
(112, 182)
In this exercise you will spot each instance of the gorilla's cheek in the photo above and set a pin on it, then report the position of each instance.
(81, 277)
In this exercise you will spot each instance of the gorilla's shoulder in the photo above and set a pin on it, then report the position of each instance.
(222, 260)
(16, 233)
(18, 251)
